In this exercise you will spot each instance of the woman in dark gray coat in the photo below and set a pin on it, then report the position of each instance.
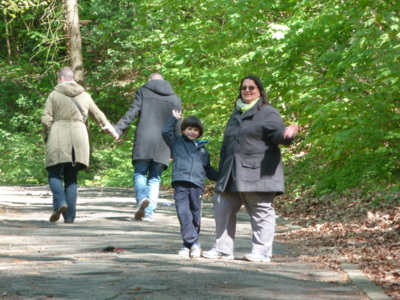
(251, 172)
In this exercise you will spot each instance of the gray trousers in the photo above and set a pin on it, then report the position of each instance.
(262, 218)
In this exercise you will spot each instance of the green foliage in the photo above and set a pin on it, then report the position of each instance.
(330, 66)
(13, 8)
(351, 103)
(110, 166)
(22, 159)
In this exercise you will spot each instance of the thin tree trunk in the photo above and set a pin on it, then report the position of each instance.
(8, 40)
(75, 40)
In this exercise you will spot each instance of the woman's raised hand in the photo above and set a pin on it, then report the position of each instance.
(291, 131)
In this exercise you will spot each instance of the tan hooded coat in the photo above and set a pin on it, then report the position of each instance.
(64, 129)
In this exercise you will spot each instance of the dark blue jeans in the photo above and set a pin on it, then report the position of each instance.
(67, 193)
(188, 207)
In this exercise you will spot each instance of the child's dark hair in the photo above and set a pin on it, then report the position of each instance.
(192, 121)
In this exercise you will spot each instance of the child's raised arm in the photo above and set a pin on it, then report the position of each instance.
(168, 130)
(177, 114)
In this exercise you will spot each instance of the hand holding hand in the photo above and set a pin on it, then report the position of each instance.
(110, 130)
(291, 131)
(115, 135)
(177, 114)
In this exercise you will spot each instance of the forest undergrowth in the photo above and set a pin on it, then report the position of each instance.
(367, 235)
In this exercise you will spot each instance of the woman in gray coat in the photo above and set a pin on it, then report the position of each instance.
(251, 172)
(67, 141)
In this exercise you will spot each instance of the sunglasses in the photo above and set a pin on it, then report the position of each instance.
(251, 88)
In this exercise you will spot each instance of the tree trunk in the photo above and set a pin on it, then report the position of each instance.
(74, 38)
(7, 39)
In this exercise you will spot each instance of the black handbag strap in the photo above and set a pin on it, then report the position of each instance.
(77, 106)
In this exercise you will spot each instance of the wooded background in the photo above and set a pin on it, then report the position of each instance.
(331, 66)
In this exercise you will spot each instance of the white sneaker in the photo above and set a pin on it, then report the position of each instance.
(184, 252)
(214, 254)
(195, 251)
(142, 206)
(257, 257)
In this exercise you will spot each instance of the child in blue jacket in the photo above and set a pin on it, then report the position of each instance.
(190, 167)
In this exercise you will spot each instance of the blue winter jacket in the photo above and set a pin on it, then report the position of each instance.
(190, 160)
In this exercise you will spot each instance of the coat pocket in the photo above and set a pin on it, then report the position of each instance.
(251, 169)
(252, 164)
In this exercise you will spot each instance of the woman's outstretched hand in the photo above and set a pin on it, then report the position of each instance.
(291, 131)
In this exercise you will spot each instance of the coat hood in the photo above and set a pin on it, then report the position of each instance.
(69, 88)
(160, 87)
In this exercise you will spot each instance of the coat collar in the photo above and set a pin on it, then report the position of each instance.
(198, 143)
(249, 113)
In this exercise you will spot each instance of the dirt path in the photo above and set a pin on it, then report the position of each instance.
(43, 260)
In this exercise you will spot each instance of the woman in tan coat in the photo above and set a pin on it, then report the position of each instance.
(67, 141)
